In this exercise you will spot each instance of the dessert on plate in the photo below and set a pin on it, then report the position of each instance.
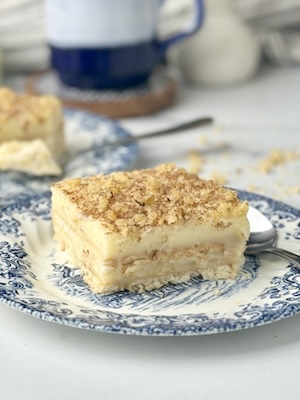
(24, 119)
(143, 229)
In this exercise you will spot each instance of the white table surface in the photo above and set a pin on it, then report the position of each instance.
(43, 360)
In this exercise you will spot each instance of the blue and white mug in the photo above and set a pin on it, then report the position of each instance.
(108, 44)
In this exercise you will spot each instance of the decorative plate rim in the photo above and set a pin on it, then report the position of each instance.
(96, 318)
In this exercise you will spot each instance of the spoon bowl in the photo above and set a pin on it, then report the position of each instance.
(263, 237)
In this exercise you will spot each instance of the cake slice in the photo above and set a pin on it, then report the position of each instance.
(142, 229)
(24, 117)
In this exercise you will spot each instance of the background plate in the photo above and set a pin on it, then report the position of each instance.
(37, 279)
(83, 130)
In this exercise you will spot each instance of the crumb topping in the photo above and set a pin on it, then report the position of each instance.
(165, 195)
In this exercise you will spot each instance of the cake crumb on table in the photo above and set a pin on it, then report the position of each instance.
(277, 157)
(195, 161)
(219, 178)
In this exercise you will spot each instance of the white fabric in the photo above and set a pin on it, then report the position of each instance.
(24, 44)
(22, 35)
(277, 24)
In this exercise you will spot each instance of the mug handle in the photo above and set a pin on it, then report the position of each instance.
(198, 20)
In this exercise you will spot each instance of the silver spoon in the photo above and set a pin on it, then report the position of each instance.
(197, 122)
(65, 158)
(263, 237)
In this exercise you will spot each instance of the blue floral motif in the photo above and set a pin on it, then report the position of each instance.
(50, 288)
(15, 269)
(9, 225)
(35, 207)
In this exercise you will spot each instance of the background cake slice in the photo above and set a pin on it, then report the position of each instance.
(24, 119)
(142, 229)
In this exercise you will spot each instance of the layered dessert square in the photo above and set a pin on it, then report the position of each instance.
(143, 229)
(24, 119)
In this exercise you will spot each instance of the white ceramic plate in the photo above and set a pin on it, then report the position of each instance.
(83, 130)
(36, 278)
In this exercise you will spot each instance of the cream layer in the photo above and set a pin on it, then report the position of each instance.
(145, 265)
(113, 248)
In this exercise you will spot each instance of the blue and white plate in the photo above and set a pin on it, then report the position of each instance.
(83, 130)
(37, 279)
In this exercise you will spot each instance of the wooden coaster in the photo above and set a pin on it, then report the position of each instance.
(157, 93)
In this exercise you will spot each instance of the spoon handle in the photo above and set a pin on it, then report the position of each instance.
(167, 131)
(292, 257)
